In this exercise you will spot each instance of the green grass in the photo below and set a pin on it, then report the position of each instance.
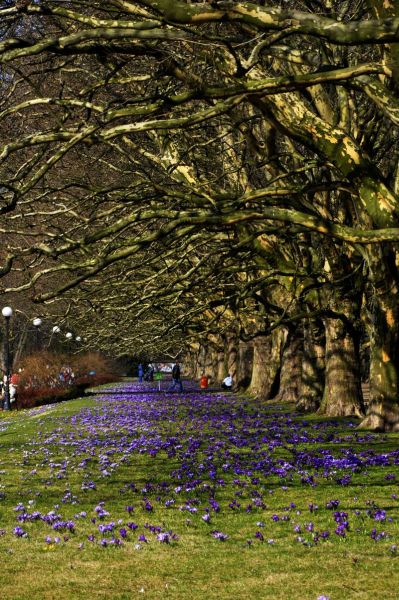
(196, 566)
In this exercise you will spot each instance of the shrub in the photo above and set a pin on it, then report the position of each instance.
(45, 377)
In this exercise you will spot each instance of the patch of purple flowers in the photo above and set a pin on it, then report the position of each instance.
(228, 460)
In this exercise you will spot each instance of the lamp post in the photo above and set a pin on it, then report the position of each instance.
(69, 337)
(7, 313)
(54, 331)
(37, 322)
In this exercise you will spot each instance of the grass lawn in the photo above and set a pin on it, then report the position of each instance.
(194, 496)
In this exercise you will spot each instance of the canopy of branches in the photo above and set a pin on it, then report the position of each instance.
(168, 168)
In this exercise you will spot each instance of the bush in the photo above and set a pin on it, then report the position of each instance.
(45, 378)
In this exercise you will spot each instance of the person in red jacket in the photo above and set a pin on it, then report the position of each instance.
(203, 382)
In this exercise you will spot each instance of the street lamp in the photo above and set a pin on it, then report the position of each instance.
(69, 337)
(7, 313)
(37, 322)
(54, 331)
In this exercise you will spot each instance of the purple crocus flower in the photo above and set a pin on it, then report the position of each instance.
(332, 504)
(379, 515)
(19, 532)
(219, 535)
(341, 530)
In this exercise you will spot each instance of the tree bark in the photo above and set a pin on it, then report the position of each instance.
(246, 352)
(291, 367)
(232, 356)
(266, 364)
(383, 409)
(221, 366)
(209, 363)
(342, 390)
(313, 366)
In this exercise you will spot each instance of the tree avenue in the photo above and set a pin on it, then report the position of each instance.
(216, 178)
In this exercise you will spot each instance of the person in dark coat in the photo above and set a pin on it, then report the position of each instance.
(140, 371)
(176, 376)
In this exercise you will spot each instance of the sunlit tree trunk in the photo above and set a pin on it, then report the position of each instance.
(265, 365)
(342, 390)
(383, 408)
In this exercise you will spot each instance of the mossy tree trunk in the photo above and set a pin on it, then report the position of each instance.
(383, 408)
(265, 365)
(190, 362)
(215, 360)
(246, 353)
(221, 366)
(313, 366)
(210, 363)
(342, 389)
(232, 356)
(291, 367)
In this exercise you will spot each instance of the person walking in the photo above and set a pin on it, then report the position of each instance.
(140, 372)
(227, 383)
(149, 374)
(176, 376)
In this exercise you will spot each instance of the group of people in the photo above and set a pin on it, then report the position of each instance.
(227, 383)
(148, 375)
(66, 375)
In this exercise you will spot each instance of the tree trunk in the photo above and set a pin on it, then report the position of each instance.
(232, 357)
(313, 365)
(291, 368)
(221, 366)
(383, 409)
(265, 365)
(342, 390)
(209, 363)
(215, 360)
(246, 352)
